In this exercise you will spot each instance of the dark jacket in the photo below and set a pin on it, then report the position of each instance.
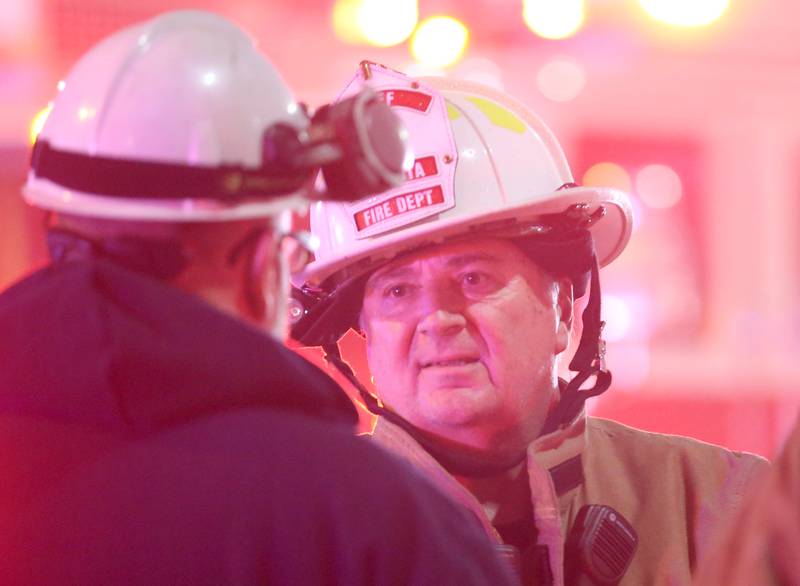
(146, 438)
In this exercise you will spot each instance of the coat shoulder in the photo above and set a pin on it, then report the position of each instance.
(606, 430)
(673, 458)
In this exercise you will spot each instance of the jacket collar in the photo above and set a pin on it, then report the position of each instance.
(547, 459)
(555, 452)
(96, 344)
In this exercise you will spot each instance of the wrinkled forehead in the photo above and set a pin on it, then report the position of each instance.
(453, 255)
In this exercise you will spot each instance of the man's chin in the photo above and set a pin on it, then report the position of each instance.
(470, 433)
(453, 407)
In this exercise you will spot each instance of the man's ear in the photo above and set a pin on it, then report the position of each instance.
(360, 329)
(263, 287)
(565, 304)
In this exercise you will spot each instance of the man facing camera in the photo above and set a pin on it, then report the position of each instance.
(464, 282)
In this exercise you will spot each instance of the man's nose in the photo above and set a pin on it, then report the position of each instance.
(442, 312)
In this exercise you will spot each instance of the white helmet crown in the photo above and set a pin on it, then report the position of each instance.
(480, 158)
(186, 89)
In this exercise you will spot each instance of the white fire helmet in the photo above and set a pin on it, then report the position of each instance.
(165, 121)
(481, 159)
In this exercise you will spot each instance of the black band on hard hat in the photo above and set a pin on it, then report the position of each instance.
(358, 143)
(138, 179)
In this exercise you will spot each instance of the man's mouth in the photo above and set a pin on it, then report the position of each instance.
(448, 362)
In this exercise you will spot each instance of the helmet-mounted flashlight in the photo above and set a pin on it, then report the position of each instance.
(359, 143)
(374, 143)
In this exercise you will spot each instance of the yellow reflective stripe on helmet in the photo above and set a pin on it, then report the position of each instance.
(498, 115)
(452, 111)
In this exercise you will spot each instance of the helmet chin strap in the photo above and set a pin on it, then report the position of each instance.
(589, 360)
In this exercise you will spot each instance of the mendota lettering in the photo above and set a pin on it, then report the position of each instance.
(423, 167)
(397, 206)
(407, 99)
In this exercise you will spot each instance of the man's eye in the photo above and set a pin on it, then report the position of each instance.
(396, 291)
(473, 278)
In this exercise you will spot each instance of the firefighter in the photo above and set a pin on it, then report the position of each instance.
(463, 282)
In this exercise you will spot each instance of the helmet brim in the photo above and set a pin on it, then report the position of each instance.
(611, 233)
(45, 194)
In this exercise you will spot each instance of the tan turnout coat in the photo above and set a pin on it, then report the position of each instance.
(673, 490)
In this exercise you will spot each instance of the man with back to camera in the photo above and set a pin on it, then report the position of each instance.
(154, 429)
(463, 282)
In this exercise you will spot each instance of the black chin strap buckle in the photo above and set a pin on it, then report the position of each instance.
(599, 362)
(573, 398)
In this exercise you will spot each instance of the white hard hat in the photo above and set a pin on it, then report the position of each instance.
(184, 92)
(481, 159)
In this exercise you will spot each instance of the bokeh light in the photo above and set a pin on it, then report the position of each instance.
(561, 79)
(607, 174)
(658, 186)
(617, 316)
(481, 70)
(416, 69)
(685, 12)
(382, 23)
(630, 365)
(86, 113)
(439, 41)
(38, 122)
(554, 20)
(345, 21)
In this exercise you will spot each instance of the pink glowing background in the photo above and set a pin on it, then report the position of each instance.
(702, 125)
